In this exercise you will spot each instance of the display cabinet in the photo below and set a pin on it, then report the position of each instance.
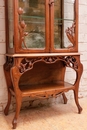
(41, 42)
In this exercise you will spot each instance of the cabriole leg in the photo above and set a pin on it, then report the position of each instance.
(18, 106)
(8, 103)
(15, 75)
(77, 102)
(7, 66)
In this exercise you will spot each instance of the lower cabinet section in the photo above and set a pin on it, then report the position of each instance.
(41, 76)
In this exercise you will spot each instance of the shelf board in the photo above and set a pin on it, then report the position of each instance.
(42, 89)
(40, 17)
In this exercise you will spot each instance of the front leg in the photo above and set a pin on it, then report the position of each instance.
(79, 71)
(77, 102)
(15, 75)
(7, 66)
(8, 103)
(18, 106)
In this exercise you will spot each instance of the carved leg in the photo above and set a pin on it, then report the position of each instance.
(77, 102)
(64, 98)
(8, 103)
(7, 68)
(15, 75)
(18, 106)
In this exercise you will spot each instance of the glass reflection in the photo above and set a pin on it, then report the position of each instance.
(63, 18)
(34, 17)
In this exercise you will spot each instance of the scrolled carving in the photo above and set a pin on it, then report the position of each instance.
(27, 64)
(50, 59)
(70, 61)
(70, 32)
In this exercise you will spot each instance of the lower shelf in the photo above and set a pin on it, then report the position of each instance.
(45, 89)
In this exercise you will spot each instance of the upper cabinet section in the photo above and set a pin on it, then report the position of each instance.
(34, 26)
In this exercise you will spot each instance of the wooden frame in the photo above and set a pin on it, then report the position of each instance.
(49, 32)
(40, 73)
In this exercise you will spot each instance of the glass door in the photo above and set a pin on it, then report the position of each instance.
(64, 24)
(34, 25)
(42, 25)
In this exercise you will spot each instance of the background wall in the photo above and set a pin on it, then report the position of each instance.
(3, 89)
(69, 76)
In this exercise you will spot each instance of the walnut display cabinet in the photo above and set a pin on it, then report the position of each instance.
(41, 43)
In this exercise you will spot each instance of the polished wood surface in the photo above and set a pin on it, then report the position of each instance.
(40, 72)
(40, 77)
(20, 33)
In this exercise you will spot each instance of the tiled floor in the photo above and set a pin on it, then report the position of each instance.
(52, 117)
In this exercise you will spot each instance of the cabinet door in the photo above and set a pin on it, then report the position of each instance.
(33, 25)
(42, 25)
(64, 25)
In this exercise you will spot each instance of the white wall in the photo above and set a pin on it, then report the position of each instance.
(3, 89)
(82, 50)
(83, 45)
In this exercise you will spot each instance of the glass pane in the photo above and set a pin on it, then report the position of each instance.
(10, 21)
(63, 19)
(34, 18)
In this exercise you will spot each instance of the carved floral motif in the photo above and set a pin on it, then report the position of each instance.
(27, 63)
(22, 27)
(70, 32)
(70, 61)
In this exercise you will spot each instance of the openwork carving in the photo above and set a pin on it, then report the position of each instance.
(50, 59)
(47, 94)
(70, 61)
(27, 63)
(70, 32)
(9, 63)
(22, 27)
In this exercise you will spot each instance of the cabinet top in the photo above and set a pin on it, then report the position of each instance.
(42, 54)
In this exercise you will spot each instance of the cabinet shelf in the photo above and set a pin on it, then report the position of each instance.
(40, 17)
(34, 22)
(46, 88)
(41, 20)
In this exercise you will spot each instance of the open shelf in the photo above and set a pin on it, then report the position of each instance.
(42, 89)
